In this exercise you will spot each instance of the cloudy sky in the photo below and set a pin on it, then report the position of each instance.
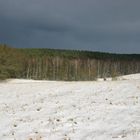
(97, 25)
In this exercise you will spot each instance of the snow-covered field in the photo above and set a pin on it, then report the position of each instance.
(49, 110)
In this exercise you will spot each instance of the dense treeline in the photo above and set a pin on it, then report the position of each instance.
(11, 62)
(53, 64)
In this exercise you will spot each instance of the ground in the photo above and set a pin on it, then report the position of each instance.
(50, 110)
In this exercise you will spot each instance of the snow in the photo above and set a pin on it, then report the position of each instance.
(50, 110)
(130, 77)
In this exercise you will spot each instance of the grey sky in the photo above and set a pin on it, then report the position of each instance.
(97, 25)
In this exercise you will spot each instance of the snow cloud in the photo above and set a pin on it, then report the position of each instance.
(97, 25)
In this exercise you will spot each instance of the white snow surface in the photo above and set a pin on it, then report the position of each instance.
(50, 110)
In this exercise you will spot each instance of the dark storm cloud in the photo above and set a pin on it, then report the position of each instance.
(98, 25)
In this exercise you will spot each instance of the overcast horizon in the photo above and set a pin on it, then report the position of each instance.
(94, 25)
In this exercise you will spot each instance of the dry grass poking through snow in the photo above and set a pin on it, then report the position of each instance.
(44, 110)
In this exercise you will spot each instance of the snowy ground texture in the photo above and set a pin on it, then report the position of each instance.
(45, 110)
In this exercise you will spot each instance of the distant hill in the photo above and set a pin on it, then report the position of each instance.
(54, 64)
